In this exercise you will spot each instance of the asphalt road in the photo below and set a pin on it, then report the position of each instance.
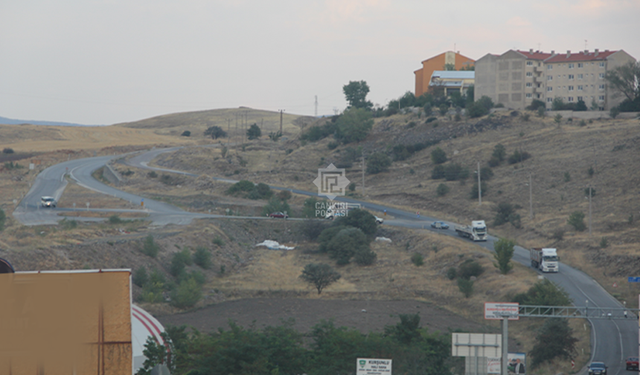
(612, 340)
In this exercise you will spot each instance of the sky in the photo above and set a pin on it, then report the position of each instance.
(101, 62)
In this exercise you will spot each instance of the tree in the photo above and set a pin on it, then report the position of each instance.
(465, 286)
(347, 243)
(407, 331)
(202, 257)
(378, 162)
(503, 254)
(544, 293)
(449, 67)
(320, 275)
(360, 219)
(215, 132)
(581, 105)
(557, 104)
(254, 132)
(187, 294)
(186, 133)
(438, 156)
(353, 125)
(625, 80)
(576, 220)
(140, 276)
(149, 247)
(356, 94)
(3, 218)
(555, 339)
(156, 354)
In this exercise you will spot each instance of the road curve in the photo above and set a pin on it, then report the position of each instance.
(612, 340)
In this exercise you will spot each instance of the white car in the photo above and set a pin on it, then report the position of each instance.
(379, 220)
(48, 202)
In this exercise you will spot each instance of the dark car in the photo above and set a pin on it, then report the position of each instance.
(439, 225)
(280, 215)
(632, 363)
(597, 368)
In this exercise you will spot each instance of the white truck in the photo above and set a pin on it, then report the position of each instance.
(340, 209)
(477, 231)
(545, 259)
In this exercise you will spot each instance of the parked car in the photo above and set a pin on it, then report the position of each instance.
(632, 363)
(379, 220)
(47, 202)
(439, 225)
(280, 215)
(597, 368)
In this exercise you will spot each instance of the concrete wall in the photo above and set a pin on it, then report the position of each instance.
(587, 115)
(110, 174)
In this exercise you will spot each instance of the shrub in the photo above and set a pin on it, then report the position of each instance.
(276, 205)
(518, 156)
(541, 111)
(313, 228)
(567, 177)
(604, 243)
(115, 219)
(525, 117)
(378, 162)
(465, 286)
(486, 173)
(140, 276)
(149, 247)
(544, 293)
(417, 259)
(65, 223)
(186, 295)
(7, 150)
(454, 172)
(470, 268)
(614, 112)
(254, 132)
(166, 179)
(452, 273)
(365, 257)
(493, 162)
(442, 190)
(332, 145)
(353, 125)
(202, 257)
(503, 211)
(179, 261)
(438, 172)
(438, 156)
(473, 194)
(499, 152)
(576, 220)
(152, 174)
(590, 171)
(590, 191)
(443, 109)
(243, 185)
(218, 241)
(555, 339)
(215, 132)
(557, 119)
(186, 133)
(535, 104)
(558, 234)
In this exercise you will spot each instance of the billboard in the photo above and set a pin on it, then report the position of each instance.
(498, 310)
(373, 366)
(65, 322)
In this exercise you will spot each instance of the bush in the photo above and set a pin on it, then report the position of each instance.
(438, 156)
(438, 172)
(316, 133)
(353, 125)
(555, 339)
(254, 132)
(417, 259)
(7, 150)
(179, 261)
(558, 234)
(442, 190)
(486, 173)
(541, 111)
(276, 205)
(470, 268)
(535, 105)
(518, 156)
(455, 172)
(378, 162)
(115, 219)
(186, 295)
(65, 223)
(202, 257)
(544, 293)
(466, 287)
(604, 243)
(590, 191)
(186, 133)
(218, 241)
(473, 194)
(503, 211)
(140, 276)
(149, 247)
(452, 273)
(499, 152)
(614, 112)
(576, 220)
(215, 132)
(365, 257)
(313, 228)
(241, 186)
(332, 145)
(152, 174)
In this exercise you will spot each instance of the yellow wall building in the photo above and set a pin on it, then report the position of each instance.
(423, 75)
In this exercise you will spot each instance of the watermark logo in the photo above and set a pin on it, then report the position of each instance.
(331, 181)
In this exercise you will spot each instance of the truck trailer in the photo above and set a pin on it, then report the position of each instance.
(545, 259)
(477, 231)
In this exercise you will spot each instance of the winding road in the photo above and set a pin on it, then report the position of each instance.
(612, 339)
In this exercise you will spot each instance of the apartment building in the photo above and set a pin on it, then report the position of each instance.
(439, 62)
(516, 78)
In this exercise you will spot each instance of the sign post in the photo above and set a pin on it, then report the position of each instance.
(373, 366)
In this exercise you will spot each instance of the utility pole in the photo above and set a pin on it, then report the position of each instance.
(316, 112)
(530, 198)
(363, 173)
(282, 110)
(589, 209)
(505, 345)
(479, 187)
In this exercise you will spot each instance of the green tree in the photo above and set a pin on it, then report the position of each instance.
(614, 111)
(625, 80)
(320, 275)
(140, 276)
(360, 219)
(465, 286)
(557, 104)
(544, 293)
(202, 257)
(355, 93)
(407, 331)
(215, 132)
(3, 219)
(378, 162)
(442, 190)
(254, 132)
(276, 205)
(156, 354)
(576, 220)
(438, 156)
(555, 339)
(179, 261)
(449, 66)
(187, 294)
(150, 247)
(353, 125)
(499, 152)
(503, 253)
(347, 243)
(470, 268)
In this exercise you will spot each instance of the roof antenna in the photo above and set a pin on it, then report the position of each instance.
(585, 45)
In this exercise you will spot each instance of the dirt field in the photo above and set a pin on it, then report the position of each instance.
(365, 316)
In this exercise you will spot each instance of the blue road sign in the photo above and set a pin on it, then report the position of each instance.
(634, 279)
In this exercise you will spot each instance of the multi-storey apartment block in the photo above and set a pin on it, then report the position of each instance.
(516, 78)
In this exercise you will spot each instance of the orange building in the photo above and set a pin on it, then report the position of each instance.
(423, 76)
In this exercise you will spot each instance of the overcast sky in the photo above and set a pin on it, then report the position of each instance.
(111, 61)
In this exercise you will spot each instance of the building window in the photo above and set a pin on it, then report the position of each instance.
(549, 78)
(580, 65)
(601, 87)
(580, 98)
(570, 99)
(570, 88)
(571, 66)
(529, 84)
(601, 75)
(601, 64)
(549, 100)
(601, 98)
(570, 77)
(549, 88)
(549, 67)
(529, 96)
(580, 87)
(580, 76)
(529, 63)
(529, 74)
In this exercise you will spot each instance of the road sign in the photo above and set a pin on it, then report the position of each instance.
(573, 364)
(615, 285)
(634, 279)
(476, 345)
(498, 310)
(373, 366)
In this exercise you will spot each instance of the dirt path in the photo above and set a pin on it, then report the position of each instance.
(365, 316)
